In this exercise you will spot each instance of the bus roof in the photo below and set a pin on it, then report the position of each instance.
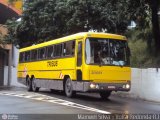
(74, 37)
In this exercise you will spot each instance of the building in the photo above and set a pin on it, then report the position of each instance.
(8, 10)
(5, 59)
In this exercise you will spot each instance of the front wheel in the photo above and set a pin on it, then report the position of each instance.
(69, 88)
(105, 94)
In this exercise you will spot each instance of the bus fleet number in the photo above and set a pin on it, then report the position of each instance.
(52, 63)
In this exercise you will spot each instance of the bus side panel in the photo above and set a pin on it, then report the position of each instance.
(50, 70)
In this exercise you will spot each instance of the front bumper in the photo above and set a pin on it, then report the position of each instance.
(96, 87)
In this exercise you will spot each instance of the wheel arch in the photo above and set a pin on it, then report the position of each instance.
(32, 76)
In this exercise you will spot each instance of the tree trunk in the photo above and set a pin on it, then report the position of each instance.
(155, 23)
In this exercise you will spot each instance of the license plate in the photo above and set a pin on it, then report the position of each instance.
(111, 87)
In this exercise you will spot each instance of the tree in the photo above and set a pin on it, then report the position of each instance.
(98, 15)
(144, 12)
(44, 20)
(154, 4)
(11, 37)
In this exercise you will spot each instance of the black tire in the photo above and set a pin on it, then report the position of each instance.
(29, 84)
(105, 94)
(52, 90)
(34, 86)
(69, 88)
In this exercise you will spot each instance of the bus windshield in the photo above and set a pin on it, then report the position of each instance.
(107, 52)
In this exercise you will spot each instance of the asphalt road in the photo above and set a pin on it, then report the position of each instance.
(46, 105)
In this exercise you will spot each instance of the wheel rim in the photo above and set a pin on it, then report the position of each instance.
(33, 84)
(28, 83)
(68, 87)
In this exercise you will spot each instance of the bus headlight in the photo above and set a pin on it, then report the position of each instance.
(127, 86)
(92, 86)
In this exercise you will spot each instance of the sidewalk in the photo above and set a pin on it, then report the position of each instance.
(13, 88)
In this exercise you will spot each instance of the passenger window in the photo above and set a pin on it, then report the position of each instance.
(27, 56)
(69, 48)
(22, 57)
(42, 53)
(58, 50)
(50, 53)
(79, 54)
(34, 55)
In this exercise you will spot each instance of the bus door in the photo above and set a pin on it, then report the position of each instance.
(79, 60)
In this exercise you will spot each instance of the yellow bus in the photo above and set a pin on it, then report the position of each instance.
(83, 62)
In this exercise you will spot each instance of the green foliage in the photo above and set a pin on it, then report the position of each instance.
(43, 20)
(141, 53)
(147, 17)
(138, 50)
(140, 11)
(12, 26)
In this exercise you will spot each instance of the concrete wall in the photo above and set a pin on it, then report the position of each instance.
(5, 75)
(145, 84)
(14, 82)
(15, 56)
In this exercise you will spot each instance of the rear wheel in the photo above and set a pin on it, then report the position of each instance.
(105, 94)
(34, 86)
(69, 88)
(29, 84)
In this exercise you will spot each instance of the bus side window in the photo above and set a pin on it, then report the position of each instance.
(58, 50)
(69, 48)
(21, 57)
(50, 53)
(73, 47)
(27, 56)
(42, 53)
(64, 49)
(79, 54)
(34, 55)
